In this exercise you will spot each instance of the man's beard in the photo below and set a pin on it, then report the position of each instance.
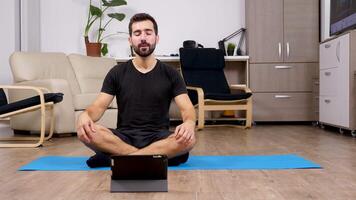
(144, 49)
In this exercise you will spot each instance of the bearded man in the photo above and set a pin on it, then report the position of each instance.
(144, 88)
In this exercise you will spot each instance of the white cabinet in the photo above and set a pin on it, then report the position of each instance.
(336, 96)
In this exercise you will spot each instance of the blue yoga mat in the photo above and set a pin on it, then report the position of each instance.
(256, 162)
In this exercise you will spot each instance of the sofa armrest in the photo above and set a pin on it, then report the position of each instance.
(64, 112)
(53, 85)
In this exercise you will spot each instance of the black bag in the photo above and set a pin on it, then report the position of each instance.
(191, 44)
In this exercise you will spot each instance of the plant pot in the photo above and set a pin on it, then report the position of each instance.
(93, 49)
(230, 52)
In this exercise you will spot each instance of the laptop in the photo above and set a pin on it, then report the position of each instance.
(139, 173)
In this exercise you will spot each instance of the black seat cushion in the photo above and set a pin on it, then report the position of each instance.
(238, 96)
(3, 100)
(218, 96)
(31, 101)
(204, 68)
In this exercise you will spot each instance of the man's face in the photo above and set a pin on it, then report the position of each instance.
(143, 38)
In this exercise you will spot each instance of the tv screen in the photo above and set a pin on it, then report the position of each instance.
(342, 16)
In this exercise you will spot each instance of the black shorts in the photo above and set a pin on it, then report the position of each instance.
(140, 139)
(143, 139)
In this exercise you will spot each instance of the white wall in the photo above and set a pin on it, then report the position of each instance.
(204, 21)
(30, 25)
(8, 37)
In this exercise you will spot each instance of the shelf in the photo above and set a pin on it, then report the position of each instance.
(176, 58)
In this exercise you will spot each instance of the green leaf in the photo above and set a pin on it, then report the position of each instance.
(104, 49)
(118, 16)
(114, 3)
(95, 11)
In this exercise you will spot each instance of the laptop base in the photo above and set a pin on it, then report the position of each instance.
(139, 186)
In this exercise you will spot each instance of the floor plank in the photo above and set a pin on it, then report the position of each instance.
(334, 152)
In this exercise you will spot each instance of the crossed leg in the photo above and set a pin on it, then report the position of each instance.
(104, 140)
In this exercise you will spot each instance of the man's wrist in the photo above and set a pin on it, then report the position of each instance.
(189, 121)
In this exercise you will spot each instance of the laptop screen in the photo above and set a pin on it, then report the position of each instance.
(139, 167)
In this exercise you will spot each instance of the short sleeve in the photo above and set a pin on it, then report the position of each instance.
(109, 84)
(178, 84)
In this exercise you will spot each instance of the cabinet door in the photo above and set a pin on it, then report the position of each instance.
(329, 54)
(264, 30)
(301, 30)
(329, 81)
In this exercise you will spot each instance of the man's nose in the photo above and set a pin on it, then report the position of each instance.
(143, 36)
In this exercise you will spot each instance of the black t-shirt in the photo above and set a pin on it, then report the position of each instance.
(143, 99)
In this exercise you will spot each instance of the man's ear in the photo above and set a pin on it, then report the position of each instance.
(157, 39)
(130, 41)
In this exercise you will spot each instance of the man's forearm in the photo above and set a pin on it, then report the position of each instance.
(189, 116)
(94, 112)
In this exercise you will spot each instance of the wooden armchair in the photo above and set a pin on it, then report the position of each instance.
(203, 72)
(40, 102)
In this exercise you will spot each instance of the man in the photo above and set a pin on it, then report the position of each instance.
(144, 88)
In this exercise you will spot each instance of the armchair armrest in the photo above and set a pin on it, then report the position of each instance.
(199, 90)
(200, 93)
(240, 87)
(38, 90)
(64, 112)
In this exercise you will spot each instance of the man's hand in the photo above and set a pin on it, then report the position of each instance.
(85, 128)
(184, 133)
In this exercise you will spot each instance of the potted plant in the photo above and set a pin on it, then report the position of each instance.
(230, 49)
(97, 13)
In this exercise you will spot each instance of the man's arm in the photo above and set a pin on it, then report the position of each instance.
(185, 132)
(98, 107)
(93, 113)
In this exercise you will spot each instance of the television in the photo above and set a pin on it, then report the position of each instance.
(342, 16)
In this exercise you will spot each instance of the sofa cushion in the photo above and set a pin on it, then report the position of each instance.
(90, 71)
(113, 104)
(28, 66)
(82, 101)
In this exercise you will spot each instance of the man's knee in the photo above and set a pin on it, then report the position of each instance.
(101, 136)
(101, 128)
(186, 146)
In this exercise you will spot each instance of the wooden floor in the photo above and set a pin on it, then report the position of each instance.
(334, 152)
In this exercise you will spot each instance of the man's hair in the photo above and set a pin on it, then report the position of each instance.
(139, 17)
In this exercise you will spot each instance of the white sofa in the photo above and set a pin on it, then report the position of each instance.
(78, 77)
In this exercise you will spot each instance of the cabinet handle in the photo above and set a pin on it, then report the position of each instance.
(327, 73)
(279, 49)
(338, 51)
(287, 49)
(282, 96)
(282, 67)
(327, 46)
(327, 100)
